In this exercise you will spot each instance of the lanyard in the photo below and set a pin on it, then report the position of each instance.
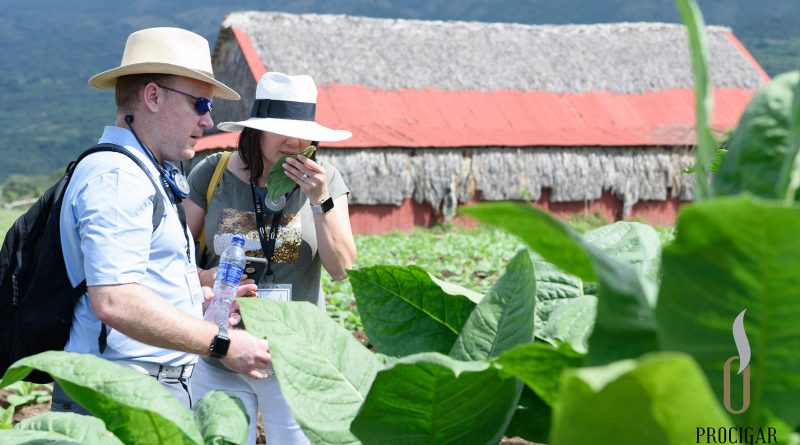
(178, 202)
(267, 242)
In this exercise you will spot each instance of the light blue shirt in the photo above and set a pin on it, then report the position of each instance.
(107, 238)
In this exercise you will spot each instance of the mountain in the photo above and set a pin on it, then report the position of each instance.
(50, 48)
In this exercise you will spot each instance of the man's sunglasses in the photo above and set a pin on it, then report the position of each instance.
(201, 104)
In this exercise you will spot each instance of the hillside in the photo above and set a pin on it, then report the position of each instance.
(50, 48)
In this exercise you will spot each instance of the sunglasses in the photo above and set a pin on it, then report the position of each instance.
(201, 104)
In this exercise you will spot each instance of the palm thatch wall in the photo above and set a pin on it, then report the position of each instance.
(447, 177)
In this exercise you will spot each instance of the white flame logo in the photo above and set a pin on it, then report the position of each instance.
(740, 338)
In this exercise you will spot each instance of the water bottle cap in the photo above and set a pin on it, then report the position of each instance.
(237, 240)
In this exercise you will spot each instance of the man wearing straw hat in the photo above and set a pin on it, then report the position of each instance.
(143, 306)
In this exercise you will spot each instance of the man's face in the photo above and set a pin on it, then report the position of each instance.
(180, 127)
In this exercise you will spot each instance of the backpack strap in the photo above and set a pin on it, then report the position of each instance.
(158, 209)
(212, 186)
(158, 200)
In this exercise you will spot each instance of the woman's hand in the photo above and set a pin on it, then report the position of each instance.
(207, 277)
(309, 175)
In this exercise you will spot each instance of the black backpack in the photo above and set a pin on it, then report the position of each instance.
(37, 299)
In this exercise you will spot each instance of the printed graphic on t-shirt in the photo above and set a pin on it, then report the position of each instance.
(238, 222)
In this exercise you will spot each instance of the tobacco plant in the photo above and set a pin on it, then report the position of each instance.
(129, 407)
(601, 338)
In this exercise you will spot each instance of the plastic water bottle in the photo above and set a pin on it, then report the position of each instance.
(229, 273)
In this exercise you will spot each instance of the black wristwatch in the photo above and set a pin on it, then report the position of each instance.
(220, 344)
(323, 207)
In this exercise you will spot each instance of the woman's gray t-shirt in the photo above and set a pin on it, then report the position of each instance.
(231, 211)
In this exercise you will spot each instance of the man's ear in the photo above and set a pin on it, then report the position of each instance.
(151, 97)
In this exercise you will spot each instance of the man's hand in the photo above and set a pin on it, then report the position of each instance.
(247, 355)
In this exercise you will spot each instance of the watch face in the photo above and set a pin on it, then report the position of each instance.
(183, 185)
(219, 347)
(327, 205)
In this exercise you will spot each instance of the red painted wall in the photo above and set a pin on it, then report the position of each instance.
(378, 219)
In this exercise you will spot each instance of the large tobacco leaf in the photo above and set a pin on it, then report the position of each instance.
(406, 311)
(504, 318)
(134, 406)
(660, 399)
(762, 152)
(554, 290)
(30, 437)
(734, 254)
(222, 418)
(631, 243)
(324, 372)
(85, 430)
(572, 323)
(625, 324)
(431, 398)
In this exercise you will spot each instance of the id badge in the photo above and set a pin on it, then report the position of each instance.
(193, 282)
(277, 292)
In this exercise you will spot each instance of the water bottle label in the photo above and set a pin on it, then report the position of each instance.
(230, 273)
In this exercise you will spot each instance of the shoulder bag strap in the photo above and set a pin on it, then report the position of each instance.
(212, 186)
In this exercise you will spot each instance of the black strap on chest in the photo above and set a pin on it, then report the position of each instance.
(267, 240)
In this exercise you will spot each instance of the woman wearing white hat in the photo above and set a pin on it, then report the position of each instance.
(310, 223)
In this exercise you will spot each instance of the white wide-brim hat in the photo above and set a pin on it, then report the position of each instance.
(286, 105)
(165, 51)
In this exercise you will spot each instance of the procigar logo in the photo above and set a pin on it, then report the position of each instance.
(743, 346)
(737, 435)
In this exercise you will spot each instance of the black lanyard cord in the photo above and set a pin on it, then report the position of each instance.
(267, 241)
(173, 197)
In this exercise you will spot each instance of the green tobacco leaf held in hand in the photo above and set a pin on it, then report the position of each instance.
(404, 311)
(278, 184)
(430, 398)
(764, 143)
(625, 325)
(660, 399)
(504, 318)
(85, 430)
(134, 406)
(324, 372)
(222, 418)
(734, 254)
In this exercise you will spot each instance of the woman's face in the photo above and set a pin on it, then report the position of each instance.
(273, 146)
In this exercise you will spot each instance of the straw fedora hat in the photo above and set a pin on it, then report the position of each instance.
(286, 105)
(165, 51)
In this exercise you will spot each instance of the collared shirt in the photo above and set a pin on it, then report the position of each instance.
(107, 238)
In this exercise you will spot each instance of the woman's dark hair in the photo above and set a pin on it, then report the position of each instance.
(249, 147)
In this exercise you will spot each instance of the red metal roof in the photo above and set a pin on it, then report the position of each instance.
(439, 118)
(436, 118)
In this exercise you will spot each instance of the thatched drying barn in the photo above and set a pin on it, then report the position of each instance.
(592, 118)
